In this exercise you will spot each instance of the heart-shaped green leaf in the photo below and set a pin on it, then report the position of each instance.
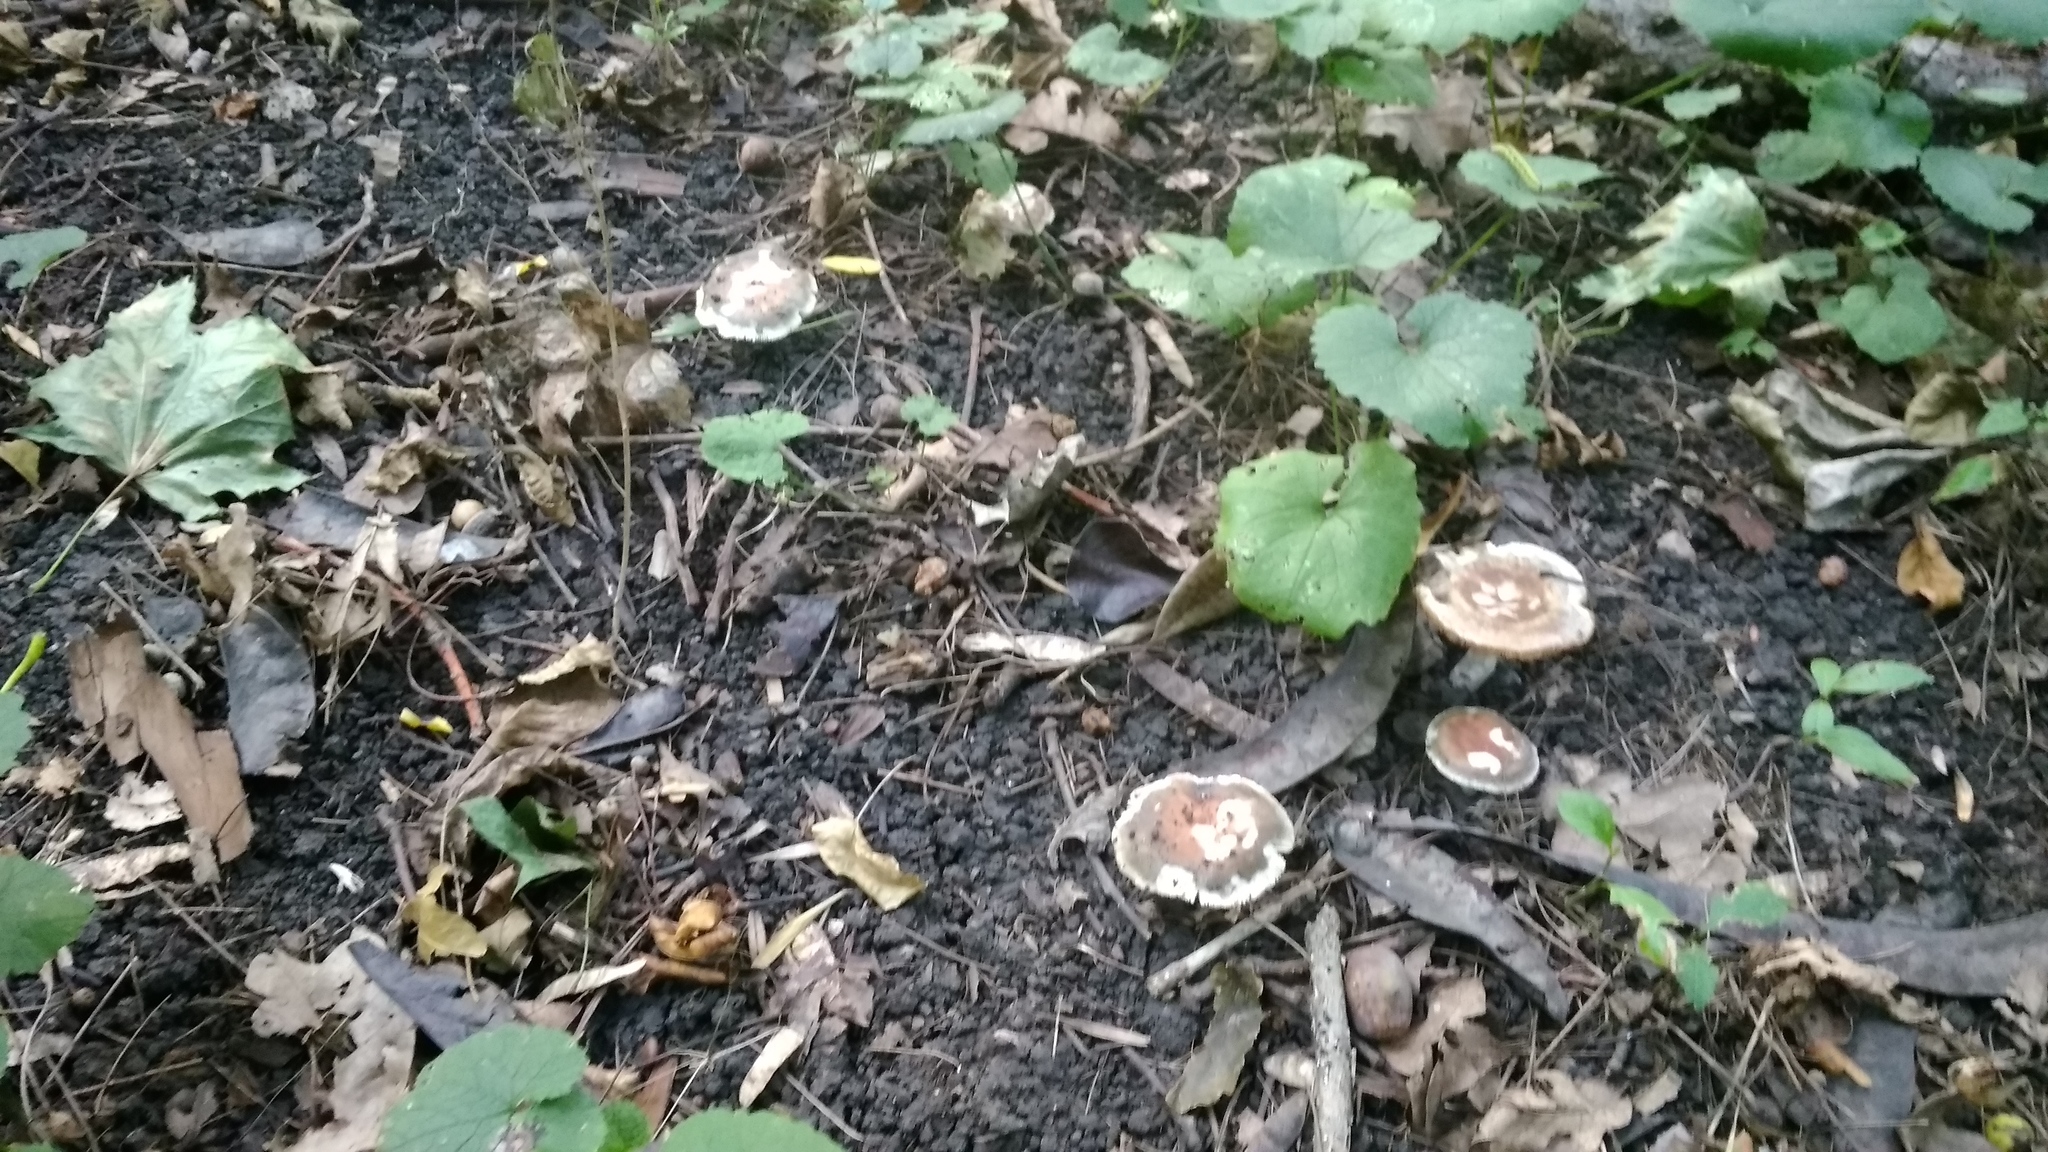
(749, 448)
(1320, 215)
(1466, 370)
(1986, 190)
(513, 1078)
(1801, 35)
(1893, 318)
(43, 909)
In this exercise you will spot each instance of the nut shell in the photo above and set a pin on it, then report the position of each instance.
(1379, 992)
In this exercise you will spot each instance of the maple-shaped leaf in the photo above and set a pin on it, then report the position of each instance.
(183, 414)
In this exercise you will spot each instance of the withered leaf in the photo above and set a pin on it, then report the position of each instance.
(846, 852)
(1213, 1067)
(1925, 571)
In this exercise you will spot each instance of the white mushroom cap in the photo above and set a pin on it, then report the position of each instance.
(1477, 748)
(758, 295)
(1516, 601)
(1219, 841)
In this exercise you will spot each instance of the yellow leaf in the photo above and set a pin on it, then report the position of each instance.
(2003, 1130)
(1924, 570)
(419, 723)
(853, 265)
(441, 932)
(25, 457)
(846, 852)
(787, 934)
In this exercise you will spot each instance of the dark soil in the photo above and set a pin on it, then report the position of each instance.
(1698, 665)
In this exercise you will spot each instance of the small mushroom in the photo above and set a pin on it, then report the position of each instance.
(1516, 601)
(1218, 841)
(758, 295)
(1477, 748)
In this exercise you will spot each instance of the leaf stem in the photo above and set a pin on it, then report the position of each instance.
(1465, 257)
(50, 573)
(37, 645)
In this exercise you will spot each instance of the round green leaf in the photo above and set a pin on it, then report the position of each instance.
(506, 1077)
(1818, 718)
(931, 414)
(1393, 76)
(1205, 281)
(1554, 174)
(1826, 676)
(1892, 322)
(497, 827)
(1971, 477)
(1501, 20)
(1707, 237)
(1755, 903)
(2003, 418)
(1798, 157)
(1308, 218)
(1985, 190)
(1878, 131)
(1648, 911)
(32, 252)
(1588, 815)
(1466, 370)
(1697, 975)
(625, 1128)
(1881, 236)
(723, 1130)
(1700, 103)
(1801, 35)
(892, 55)
(749, 448)
(42, 909)
(2023, 21)
(1099, 56)
(1320, 539)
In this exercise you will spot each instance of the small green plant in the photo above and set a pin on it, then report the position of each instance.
(1985, 188)
(43, 911)
(1099, 57)
(749, 448)
(1851, 123)
(930, 414)
(544, 93)
(1853, 746)
(14, 723)
(670, 23)
(521, 1086)
(1683, 954)
(912, 60)
(1890, 313)
(538, 841)
(1588, 815)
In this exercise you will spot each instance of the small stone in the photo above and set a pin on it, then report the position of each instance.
(758, 154)
(1834, 572)
(885, 411)
(1911, 869)
(1675, 545)
(464, 513)
(1088, 282)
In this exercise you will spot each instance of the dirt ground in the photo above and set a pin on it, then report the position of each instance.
(1697, 665)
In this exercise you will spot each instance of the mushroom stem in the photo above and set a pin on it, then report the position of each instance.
(1336, 1076)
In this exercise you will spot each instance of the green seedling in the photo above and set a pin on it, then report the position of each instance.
(1661, 941)
(669, 23)
(1853, 746)
(749, 448)
(908, 60)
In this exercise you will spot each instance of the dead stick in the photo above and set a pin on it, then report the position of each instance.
(714, 608)
(670, 521)
(1168, 978)
(1336, 1075)
(437, 636)
(1141, 381)
(973, 365)
(1111, 455)
(1190, 1131)
(882, 270)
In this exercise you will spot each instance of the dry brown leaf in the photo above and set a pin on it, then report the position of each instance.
(774, 1054)
(114, 690)
(125, 868)
(374, 1076)
(845, 851)
(1811, 961)
(1453, 125)
(1925, 571)
(589, 652)
(1451, 1003)
(1062, 111)
(1564, 1115)
(136, 806)
(543, 485)
(1829, 1058)
(441, 932)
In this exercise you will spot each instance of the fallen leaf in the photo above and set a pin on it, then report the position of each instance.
(1740, 513)
(1039, 647)
(1114, 575)
(279, 244)
(294, 995)
(587, 980)
(845, 851)
(114, 690)
(1213, 1067)
(1813, 961)
(25, 457)
(1925, 571)
(1201, 596)
(774, 1054)
(270, 689)
(852, 265)
(1563, 1115)
(1193, 697)
(1451, 1003)
(441, 932)
(124, 868)
(543, 484)
(326, 22)
(799, 634)
(786, 935)
(589, 653)
(136, 806)
(1453, 124)
(1061, 110)
(1829, 1058)
(1090, 822)
(445, 1004)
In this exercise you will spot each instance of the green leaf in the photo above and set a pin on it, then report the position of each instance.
(1315, 216)
(543, 93)
(1801, 35)
(2025, 22)
(1322, 26)
(2002, 418)
(1501, 20)
(1881, 678)
(723, 1130)
(498, 829)
(625, 1128)
(984, 163)
(1827, 675)
(1748, 342)
(1880, 131)
(1708, 239)
(1754, 903)
(1205, 281)
(1554, 174)
(1243, 11)
(510, 1077)
(43, 909)
(186, 414)
(14, 729)
(1700, 103)
(551, 830)
(894, 55)
(1647, 909)
(1320, 539)
(1985, 190)
(972, 124)
(1131, 13)
(1882, 236)
(1818, 718)
(749, 448)
(1861, 751)
(1697, 975)
(31, 252)
(1099, 56)
(1393, 76)
(1970, 477)
(1894, 318)
(930, 414)
(1467, 369)
(1588, 815)
(1798, 157)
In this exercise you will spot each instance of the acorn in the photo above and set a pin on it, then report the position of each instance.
(758, 154)
(1379, 992)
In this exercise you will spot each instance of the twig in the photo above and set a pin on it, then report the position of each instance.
(1141, 381)
(1336, 1075)
(1117, 897)
(714, 608)
(691, 596)
(973, 365)
(194, 925)
(836, 1119)
(1159, 430)
(888, 287)
(388, 820)
(143, 626)
(1171, 976)
(1189, 1130)
(437, 636)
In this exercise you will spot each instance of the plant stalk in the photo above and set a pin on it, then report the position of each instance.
(1465, 257)
(37, 645)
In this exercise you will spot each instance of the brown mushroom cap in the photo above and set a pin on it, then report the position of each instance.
(1516, 601)
(758, 295)
(1218, 841)
(1477, 748)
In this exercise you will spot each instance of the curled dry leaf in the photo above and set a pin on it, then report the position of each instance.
(1038, 647)
(1213, 1067)
(1061, 110)
(1451, 1003)
(441, 932)
(1925, 571)
(1560, 1115)
(845, 850)
(774, 1054)
(125, 868)
(136, 806)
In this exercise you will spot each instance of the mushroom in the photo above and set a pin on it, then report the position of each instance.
(1477, 748)
(1516, 601)
(758, 295)
(1218, 841)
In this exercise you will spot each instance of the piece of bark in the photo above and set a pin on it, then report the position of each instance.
(1194, 698)
(1336, 1074)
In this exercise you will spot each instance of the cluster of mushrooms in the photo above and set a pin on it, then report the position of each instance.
(1221, 841)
